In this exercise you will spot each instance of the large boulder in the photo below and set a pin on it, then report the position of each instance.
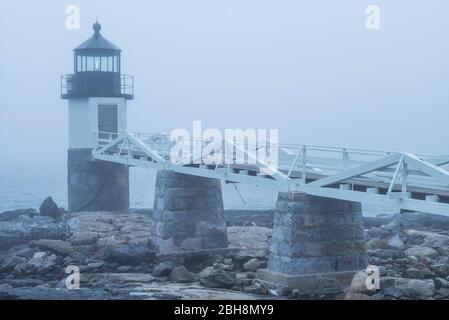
(84, 238)
(41, 262)
(131, 254)
(49, 208)
(58, 247)
(419, 251)
(9, 263)
(418, 220)
(253, 265)
(376, 243)
(216, 278)
(396, 242)
(410, 288)
(26, 228)
(181, 275)
(163, 269)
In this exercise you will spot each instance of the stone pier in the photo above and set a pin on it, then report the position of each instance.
(317, 245)
(96, 185)
(188, 214)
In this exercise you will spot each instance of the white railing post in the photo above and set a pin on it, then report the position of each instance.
(404, 176)
(304, 163)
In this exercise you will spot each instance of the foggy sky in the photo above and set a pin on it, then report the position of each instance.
(309, 68)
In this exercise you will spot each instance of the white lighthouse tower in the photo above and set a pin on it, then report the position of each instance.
(97, 92)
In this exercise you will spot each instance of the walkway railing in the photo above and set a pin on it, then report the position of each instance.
(408, 181)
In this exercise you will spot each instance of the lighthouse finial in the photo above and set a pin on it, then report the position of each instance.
(97, 28)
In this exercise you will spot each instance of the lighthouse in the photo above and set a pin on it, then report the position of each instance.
(97, 94)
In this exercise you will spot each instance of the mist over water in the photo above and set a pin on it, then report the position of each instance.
(20, 192)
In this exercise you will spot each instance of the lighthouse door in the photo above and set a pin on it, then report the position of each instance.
(107, 122)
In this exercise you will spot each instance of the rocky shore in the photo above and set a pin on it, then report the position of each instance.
(116, 260)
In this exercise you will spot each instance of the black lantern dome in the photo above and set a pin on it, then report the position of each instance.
(97, 67)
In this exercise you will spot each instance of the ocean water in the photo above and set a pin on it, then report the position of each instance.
(19, 192)
(28, 191)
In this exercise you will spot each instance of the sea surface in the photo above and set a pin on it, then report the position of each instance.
(28, 191)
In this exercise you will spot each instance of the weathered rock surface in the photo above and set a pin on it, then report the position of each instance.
(56, 246)
(419, 251)
(24, 228)
(216, 278)
(132, 254)
(49, 208)
(112, 252)
(163, 269)
(181, 275)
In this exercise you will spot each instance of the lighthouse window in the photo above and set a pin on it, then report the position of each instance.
(90, 64)
(104, 64)
(107, 119)
(110, 69)
(78, 63)
(97, 64)
(83, 63)
(116, 64)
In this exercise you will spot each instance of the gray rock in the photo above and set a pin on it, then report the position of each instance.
(27, 282)
(124, 269)
(443, 292)
(226, 267)
(78, 257)
(443, 270)
(376, 243)
(393, 292)
(441, 283)
(55, 246)
(49, 208)
(181, 275)
(427, 273)
(420, 288)
(10, 262)
(242, 279)
(413, 273)
(95, 265)
(163, 269)
(45, 293)
(42, 262)
(14, 214)
(252, 265)
(386, 253)
(216, 278)
(396, 242)
(25, 252)
(132, 254)
(26, 228)
(419, 251)
(412, 288)
(418, 220)
(378, 233)
(84, 238)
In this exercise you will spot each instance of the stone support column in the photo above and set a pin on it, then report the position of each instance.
(317, 244)
(188, 214)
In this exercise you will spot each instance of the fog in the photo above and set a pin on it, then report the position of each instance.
(309, 68)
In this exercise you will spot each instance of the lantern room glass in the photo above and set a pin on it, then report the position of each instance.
(91, 63)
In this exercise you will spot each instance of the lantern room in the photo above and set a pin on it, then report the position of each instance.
(97, 71)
